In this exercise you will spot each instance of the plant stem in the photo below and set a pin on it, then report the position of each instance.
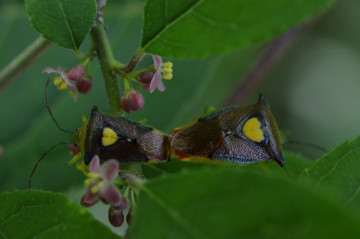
(26, 58)
(133, 61)
(106, 58)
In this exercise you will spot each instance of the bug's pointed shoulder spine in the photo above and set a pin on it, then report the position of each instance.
(94, 110)
(262, 100)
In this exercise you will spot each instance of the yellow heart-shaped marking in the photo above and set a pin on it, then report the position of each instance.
(109, 137)
(251, 130)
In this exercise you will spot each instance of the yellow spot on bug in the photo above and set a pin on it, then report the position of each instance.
(109, 137)
(251, 130)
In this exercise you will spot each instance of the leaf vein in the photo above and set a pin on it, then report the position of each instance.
(352, 197)
(173, 43)
(3, 234)
(211, 22)
(68, 25)
(157, 168)
(174, 214)
(14, 214)
(334, 167)
(56, 226)
(182, 15)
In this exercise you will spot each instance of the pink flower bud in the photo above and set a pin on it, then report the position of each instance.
(145, 77)
(134, 101)
(116, 218)
(76, 73)
(84, 85)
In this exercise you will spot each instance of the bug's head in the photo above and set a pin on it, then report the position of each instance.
(272, 139)
(78, 140)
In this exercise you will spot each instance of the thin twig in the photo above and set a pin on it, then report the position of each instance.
(26, 58)
(273, 53)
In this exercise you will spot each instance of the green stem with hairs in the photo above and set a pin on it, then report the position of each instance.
(106, 59)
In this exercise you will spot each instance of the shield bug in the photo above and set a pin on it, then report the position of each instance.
(117, 137)
(235, 134)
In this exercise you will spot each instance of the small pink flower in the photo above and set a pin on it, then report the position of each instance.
(64, 76)
(100, 184)
(162, 71)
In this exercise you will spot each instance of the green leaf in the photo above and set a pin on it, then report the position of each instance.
(65, 22)
(339, 174)
(236, 203)
(39, 214)
(199, 28)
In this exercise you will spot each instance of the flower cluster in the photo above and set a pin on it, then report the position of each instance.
(148, 80)
(75, 79)
(100, 187)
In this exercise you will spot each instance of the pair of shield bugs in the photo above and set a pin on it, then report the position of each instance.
(235, 134)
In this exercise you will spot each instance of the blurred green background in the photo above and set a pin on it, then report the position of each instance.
(313, 90)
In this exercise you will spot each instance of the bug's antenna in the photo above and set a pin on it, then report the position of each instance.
(49, 110)
(307, 144)
(37, 163)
